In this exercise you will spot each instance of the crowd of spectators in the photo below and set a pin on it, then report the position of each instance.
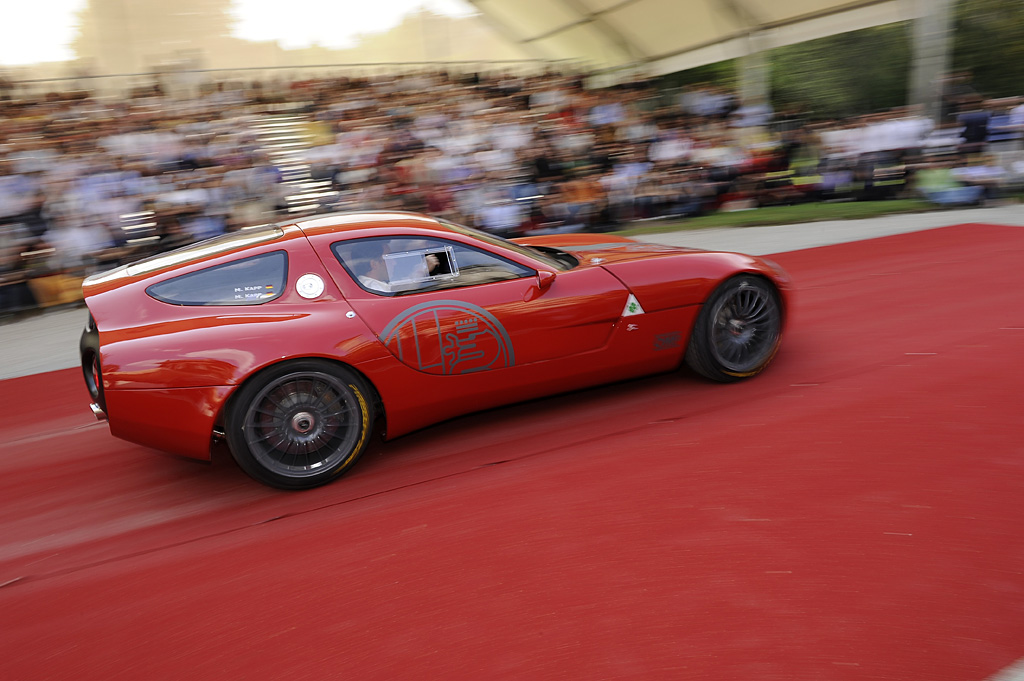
(87, 182)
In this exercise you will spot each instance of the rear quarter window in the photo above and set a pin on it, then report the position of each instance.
(250, 281)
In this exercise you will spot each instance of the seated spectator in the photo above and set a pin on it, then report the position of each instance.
(937, 183)
(1012, 131)
(15, 294)
(982, 171)
(500, 215)
(975, 120)
(754, 113)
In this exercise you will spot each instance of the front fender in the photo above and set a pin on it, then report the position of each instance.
(689, 278)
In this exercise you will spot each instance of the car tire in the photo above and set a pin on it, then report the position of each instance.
(738, 330)
(300, 424)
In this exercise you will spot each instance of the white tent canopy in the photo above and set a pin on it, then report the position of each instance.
(663, 36)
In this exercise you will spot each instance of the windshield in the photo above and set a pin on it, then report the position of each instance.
(543, 256)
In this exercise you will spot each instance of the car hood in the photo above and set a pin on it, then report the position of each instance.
(603, 249)
(661, 277)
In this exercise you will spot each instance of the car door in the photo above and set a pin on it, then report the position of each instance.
(446, 307)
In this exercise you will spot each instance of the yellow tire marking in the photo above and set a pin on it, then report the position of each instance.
(764, 365)
(362, 435)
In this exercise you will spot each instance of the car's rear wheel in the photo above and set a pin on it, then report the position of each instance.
(737, 331)
(300, 424)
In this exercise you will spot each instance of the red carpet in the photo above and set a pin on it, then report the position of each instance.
(853, 513)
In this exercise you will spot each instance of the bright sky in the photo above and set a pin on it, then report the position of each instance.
(42, 30)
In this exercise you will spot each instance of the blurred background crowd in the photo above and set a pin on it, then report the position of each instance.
(88, 182)
(131, 128)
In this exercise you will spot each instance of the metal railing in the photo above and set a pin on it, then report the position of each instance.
(186, 82)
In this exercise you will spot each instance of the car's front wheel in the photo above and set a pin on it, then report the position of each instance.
(737, 331)
(300, 424)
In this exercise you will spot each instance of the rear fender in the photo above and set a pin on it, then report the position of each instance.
(224, 350)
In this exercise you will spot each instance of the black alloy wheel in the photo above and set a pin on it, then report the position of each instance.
(300, 424)
(737, 331)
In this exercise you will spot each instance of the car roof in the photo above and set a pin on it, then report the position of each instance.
(339, 223)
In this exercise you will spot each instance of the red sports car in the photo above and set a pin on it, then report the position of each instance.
(298, 342)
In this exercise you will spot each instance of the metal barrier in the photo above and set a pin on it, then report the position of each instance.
(186, 83)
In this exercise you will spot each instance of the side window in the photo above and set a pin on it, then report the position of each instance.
(250, 281)
(399, 266)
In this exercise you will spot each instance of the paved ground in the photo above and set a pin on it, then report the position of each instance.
(781, 238)
(853, 513)
(50, 341)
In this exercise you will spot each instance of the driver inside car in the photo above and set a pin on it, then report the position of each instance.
(372, 271)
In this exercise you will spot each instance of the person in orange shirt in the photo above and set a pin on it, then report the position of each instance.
(583, 196)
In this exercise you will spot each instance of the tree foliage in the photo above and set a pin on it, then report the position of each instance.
(989, 44)
(845, 74)
(721, 73)
(869, 70)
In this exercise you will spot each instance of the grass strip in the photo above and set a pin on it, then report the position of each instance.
(784, 215)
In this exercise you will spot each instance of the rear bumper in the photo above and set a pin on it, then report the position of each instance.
(180, 421)
(89, 351)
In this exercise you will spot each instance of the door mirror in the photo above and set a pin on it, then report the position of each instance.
(544, 279)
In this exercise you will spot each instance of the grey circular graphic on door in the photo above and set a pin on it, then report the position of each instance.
(449, 337)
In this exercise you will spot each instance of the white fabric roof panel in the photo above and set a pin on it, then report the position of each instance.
(584, 40)
(669, 35)
(663, 25)
(527, 19)
(596, 6)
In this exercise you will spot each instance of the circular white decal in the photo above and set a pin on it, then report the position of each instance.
(309, 286)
